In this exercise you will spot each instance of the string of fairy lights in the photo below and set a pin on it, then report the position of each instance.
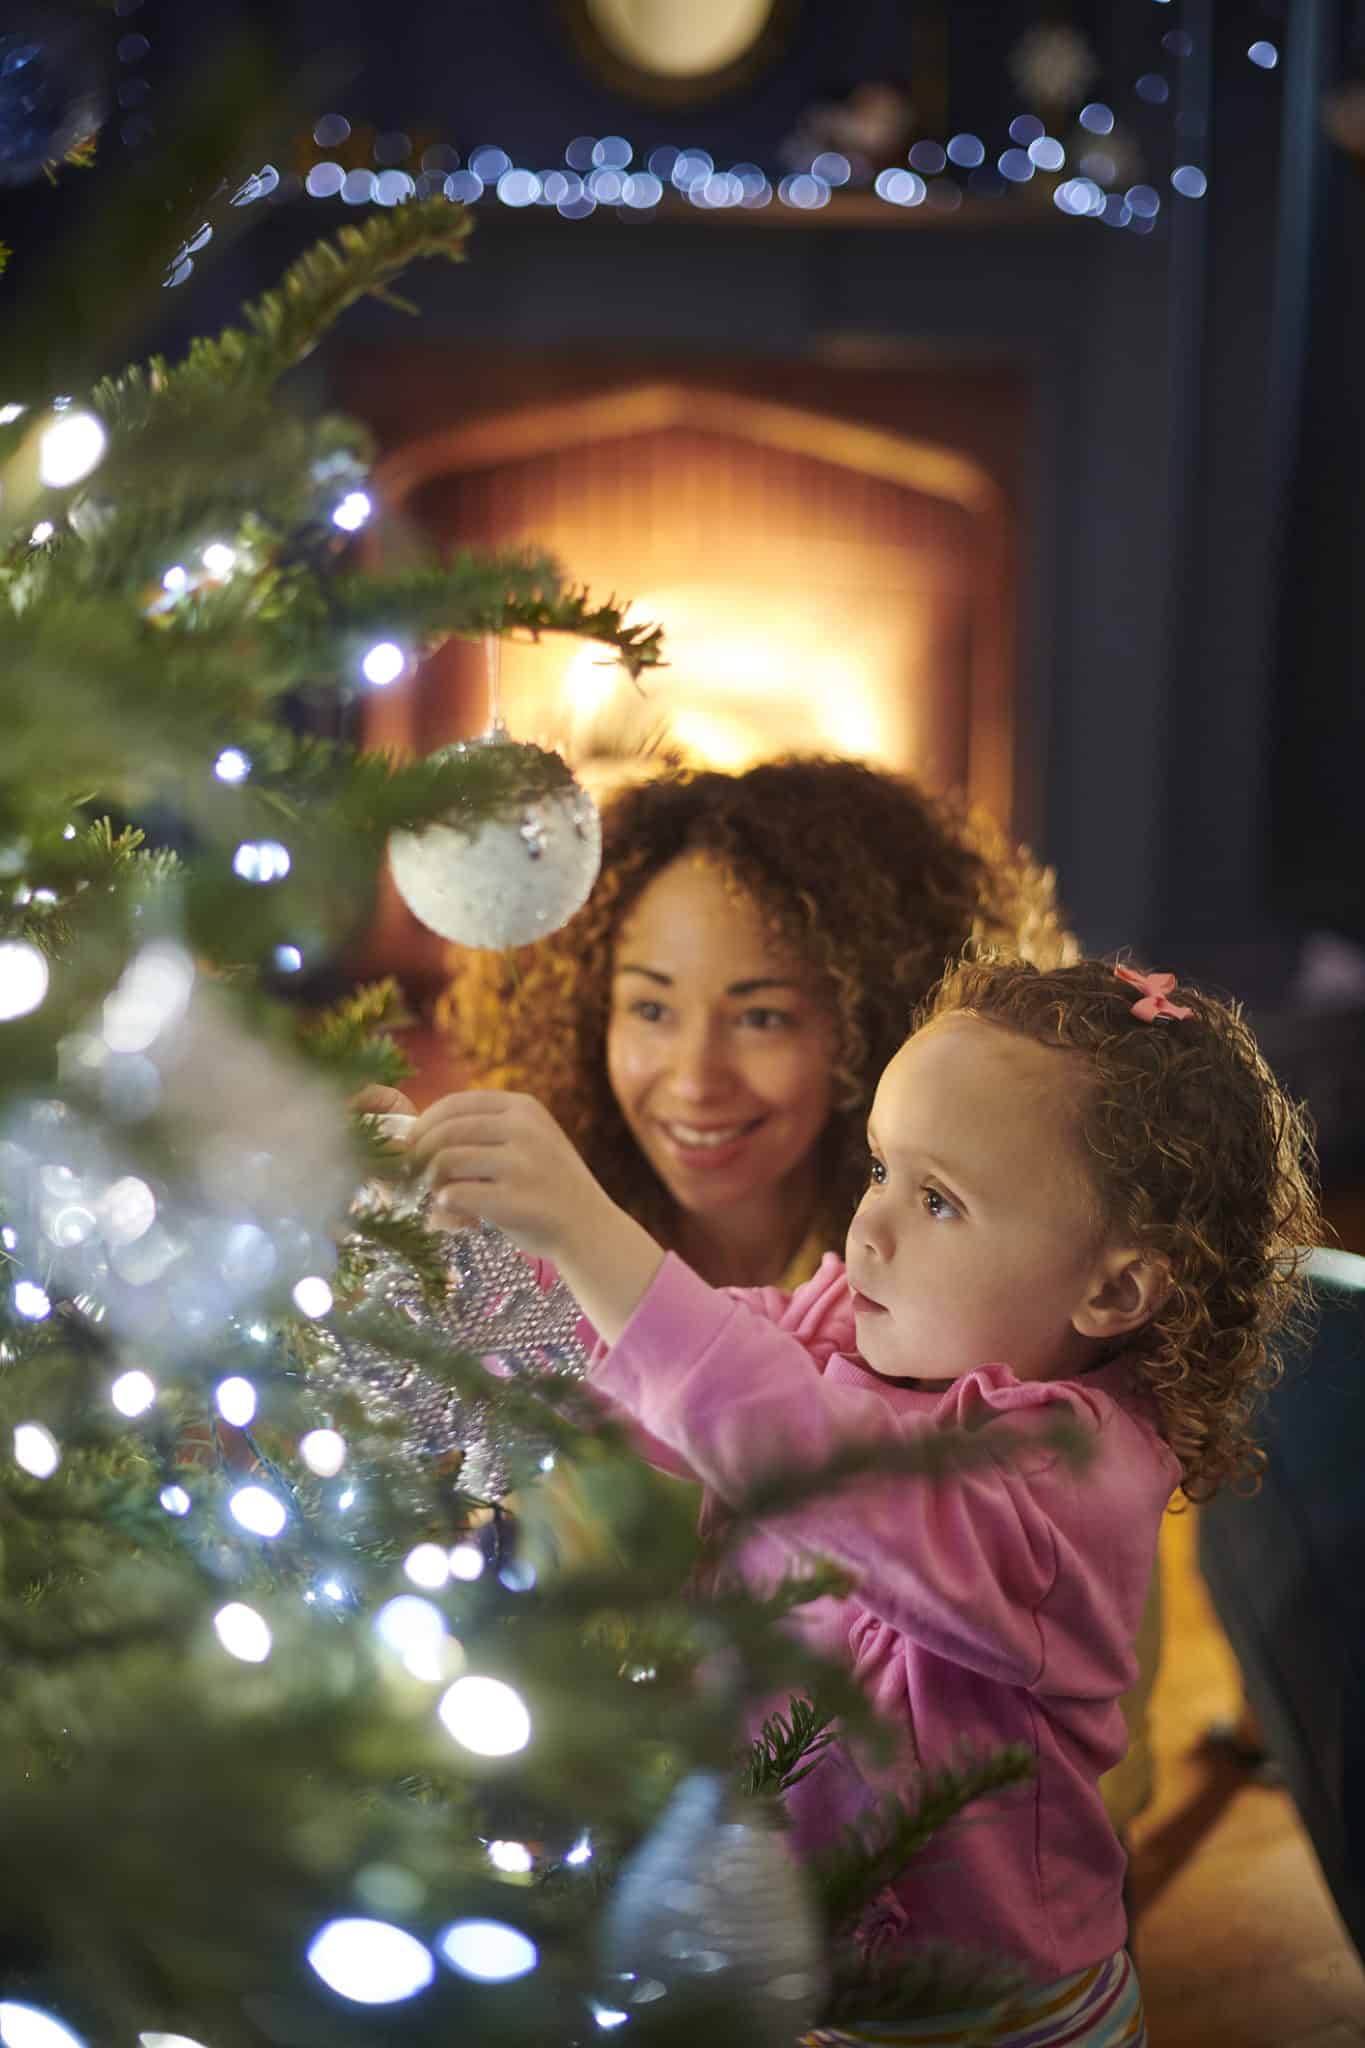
(1082, 162)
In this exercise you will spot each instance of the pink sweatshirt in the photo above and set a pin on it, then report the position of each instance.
(996, 1606)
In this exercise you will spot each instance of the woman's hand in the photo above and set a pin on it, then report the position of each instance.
(505, 1158)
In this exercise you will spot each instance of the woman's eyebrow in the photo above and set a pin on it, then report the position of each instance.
(735, 988)
(650, 973)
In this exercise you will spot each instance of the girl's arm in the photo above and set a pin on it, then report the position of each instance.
(1026, 1571)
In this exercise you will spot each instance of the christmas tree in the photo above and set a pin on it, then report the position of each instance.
(299, 1746)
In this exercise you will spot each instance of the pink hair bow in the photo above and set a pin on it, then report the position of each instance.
(1156, 990)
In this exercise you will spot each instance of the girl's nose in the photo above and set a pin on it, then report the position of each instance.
(869, 1228)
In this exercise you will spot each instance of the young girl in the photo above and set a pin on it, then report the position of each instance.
(1085, 1200)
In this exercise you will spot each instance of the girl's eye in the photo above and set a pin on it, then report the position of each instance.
(647, 1010)
(876, 1172)
(938, 1205)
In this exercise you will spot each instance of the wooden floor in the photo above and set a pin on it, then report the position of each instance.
(1238, 1943)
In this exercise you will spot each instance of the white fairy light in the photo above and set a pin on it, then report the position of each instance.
(466, 1561)
(488, 1950)
(232, 765)
(383, 664)
(355, 508)
(243, 1632)
(323, 1451)
(236, 1399)
(219, 559)
(41, 534)
(258, 1511)
(70, 448)
(288, 959)
(607, 2016)
(513, 1857)
(127, 1210)
(334, 1589)
(36, 1450)
(23, 978)
(427, 1566)
(133, 1393)
(370, 1962)
(167, 2041)
(346, 1499)
(24, 2026)
(547, 1463)
(581, 1851)
(176, 579)
(410, 1623)
(486, 1716)
(10, 413)
(261, 860)
(31, 1301)
(312, 1296)
(175, 1500)
(152, 993)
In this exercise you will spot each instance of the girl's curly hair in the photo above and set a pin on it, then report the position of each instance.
(874, 884)
(1199, 1158)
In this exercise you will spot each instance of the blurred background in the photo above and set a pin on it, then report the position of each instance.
(971, 387)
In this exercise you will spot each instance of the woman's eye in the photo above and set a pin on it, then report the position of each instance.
(766, 1020)
(876, 1172)
(647, 1010)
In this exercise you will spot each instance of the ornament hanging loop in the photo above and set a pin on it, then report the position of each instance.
(492, 661)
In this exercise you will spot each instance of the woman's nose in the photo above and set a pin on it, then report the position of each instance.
(699, 1066)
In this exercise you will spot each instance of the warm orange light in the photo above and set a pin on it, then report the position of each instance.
(752, 671)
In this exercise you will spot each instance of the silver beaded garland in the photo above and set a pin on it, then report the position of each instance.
(493, 1308)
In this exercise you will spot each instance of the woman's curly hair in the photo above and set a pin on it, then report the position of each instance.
(874, 884)
(1200, 1159)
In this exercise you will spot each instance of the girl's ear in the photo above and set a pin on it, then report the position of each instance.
(1126, 1289)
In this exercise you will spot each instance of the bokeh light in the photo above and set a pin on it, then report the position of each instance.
(487, 1950)
(23, 978)
(370, 1962)
(486, 1716)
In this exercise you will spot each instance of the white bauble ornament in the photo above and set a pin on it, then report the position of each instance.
(514, 877)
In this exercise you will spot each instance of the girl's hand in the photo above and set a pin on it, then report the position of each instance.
(503, 1157)
(378, 1101)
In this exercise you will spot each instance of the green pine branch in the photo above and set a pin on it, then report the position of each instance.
(788, 1747)
(874, 1851)
(285, 325)
(917, 1980)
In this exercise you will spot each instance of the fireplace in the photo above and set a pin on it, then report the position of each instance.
(830, 547)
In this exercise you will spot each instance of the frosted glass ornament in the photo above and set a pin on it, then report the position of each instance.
(510, 880)
(713, 1897)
